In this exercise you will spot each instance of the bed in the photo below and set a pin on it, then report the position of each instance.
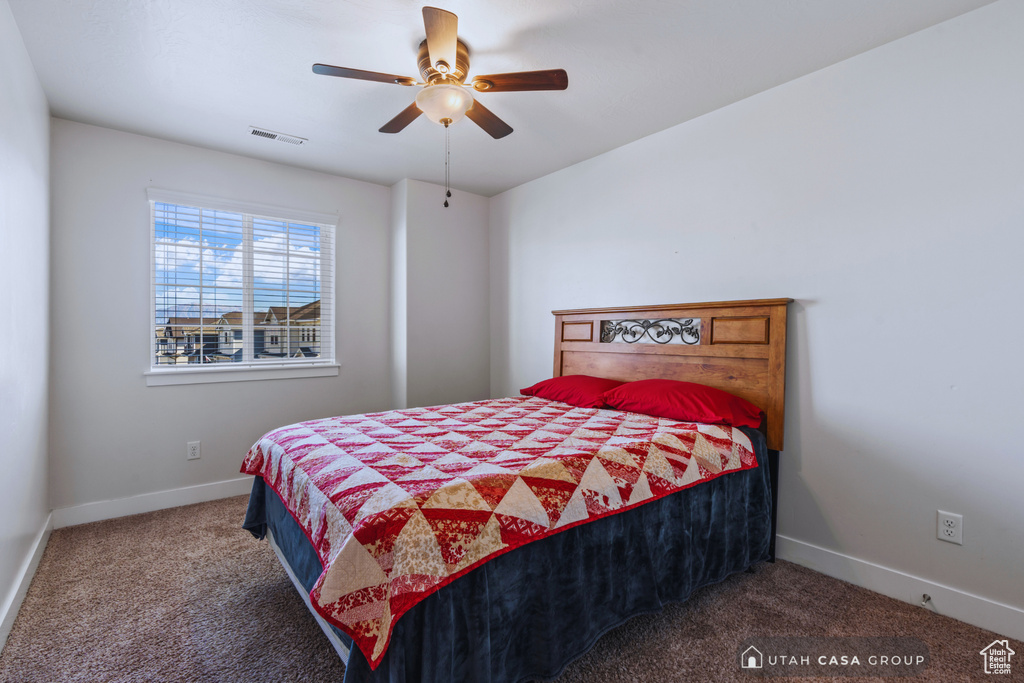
(531, 609)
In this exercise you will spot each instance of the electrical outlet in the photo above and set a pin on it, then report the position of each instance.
(192, 451)
(951, 527)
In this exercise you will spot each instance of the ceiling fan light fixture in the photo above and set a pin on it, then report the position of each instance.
(444, 102)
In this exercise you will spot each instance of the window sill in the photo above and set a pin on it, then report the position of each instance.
(162, 378)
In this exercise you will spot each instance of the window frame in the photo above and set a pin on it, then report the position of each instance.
(163, 375)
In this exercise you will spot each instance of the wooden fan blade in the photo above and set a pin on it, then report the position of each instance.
(485, 118)
(407, 116)
(552, 79)
(442, 37)
(342, 72)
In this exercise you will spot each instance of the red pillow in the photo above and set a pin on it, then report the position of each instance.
(684, 401)
(582, 391)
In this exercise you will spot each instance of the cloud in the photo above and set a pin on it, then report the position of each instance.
(277, 265)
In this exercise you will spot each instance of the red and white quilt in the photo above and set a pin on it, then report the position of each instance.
(399, 504)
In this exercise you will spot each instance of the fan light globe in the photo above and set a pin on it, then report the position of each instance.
(444, 101)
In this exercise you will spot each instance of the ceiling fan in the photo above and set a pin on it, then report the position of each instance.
(443, 62)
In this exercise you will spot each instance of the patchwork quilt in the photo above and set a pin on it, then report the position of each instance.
(401, 503)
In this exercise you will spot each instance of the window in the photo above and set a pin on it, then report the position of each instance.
(229, 280)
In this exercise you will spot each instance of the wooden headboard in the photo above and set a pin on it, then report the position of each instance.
(737, 346)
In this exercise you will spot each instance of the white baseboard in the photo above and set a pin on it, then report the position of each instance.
(148, 502)
(9, 610)
(982, 612)
(972, 609)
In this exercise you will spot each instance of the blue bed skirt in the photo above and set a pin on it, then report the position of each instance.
(526, 614)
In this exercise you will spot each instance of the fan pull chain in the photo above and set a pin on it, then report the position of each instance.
(447, 160)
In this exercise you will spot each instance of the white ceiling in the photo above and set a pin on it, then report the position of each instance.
(202, 71)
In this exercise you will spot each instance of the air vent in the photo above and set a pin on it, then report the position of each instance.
(280, 137)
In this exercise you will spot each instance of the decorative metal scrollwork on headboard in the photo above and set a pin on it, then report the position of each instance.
(659, 331)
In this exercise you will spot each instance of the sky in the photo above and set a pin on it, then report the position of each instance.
(198, 261)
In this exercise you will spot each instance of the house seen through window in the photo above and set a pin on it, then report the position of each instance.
(241, 289)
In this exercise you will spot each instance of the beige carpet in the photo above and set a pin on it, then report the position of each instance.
(185, 595)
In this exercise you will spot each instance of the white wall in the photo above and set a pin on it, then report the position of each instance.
(886, 195)
(112, 436)
(399, 296)
(24, 312)
(440, 295)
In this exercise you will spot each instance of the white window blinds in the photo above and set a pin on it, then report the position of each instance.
(237, 286)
